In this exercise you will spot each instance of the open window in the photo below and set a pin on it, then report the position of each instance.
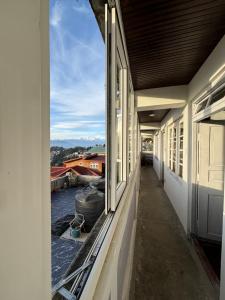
(117, 94)
(173, 147)
(130, 118)
(181, 148)
(176, 147)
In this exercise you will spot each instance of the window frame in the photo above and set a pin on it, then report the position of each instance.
(181, 139)
(156, 142)
(174, 150)
(130, 129)
(117, 53)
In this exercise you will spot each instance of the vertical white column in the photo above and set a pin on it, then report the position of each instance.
(24, 151)
(222, 272)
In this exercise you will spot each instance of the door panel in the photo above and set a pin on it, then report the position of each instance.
(210, 181)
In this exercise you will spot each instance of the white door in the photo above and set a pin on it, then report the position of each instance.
(210, 180)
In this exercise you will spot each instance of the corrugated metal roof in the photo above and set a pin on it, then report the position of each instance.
(57, 172)
(167, 41)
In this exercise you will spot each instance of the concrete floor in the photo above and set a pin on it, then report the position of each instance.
(165, 264)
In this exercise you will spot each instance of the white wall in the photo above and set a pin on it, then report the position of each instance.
(112, 272)
(175, 186)
(177, 189)
(24, 151)
(156, 165)
(212, 69)
(157, 154)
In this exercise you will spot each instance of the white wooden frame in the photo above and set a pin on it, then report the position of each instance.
(117, 49)
(210, 108)
(170, 140)
(130, 148)
(179, 149)
(197, 117)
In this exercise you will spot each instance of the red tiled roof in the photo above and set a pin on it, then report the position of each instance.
(85, 171)
(79, 170)
(58, 171)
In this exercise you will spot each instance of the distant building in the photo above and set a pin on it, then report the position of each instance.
(92, 161)
(98, 149)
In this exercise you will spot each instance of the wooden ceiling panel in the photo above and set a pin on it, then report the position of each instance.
(168, 40)
(152, 116)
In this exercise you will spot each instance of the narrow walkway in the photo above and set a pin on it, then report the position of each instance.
(165, 266)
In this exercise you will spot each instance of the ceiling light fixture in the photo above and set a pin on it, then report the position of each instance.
(151, 115)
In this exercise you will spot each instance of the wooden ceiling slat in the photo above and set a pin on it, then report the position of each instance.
(157, 5)
(172, 27)
(188, 48)
(158, 115)
(167, 41)
(158, 17)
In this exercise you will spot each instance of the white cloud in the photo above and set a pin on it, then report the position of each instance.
(56, 14)
(57, 134)
(80, 8)
(78, 124)
(77, 75)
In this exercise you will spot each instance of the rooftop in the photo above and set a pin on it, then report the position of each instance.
(93, 157)
(57, 172)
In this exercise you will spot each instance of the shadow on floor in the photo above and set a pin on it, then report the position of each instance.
(210, 255)
(165, 266)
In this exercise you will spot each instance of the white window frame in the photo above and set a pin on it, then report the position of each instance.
(130, 111)
(117, 50)
(180, 139)
(210, 108)
(156, 142)
(170, 141)
(94, 165)
(174, 158)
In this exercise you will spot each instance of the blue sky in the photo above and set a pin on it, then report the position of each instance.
(77, 71)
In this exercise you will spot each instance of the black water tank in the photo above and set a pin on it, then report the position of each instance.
(90, 203)
(98, 184)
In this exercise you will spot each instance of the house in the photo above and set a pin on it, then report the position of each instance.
(165, 76)
(93, 161)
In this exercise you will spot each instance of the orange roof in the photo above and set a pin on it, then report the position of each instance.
(91, 157)
(57, 172)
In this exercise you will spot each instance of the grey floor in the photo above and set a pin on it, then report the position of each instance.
(165, 265)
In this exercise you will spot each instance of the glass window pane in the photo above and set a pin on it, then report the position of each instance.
(181, 147)
(129, 128)
(217, 96)
(119, 124)
(201, 105)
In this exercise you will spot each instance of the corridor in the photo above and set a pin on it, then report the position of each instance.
(165, 265)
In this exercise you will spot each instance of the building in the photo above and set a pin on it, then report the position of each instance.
(64, 176)
(165, 76)
(92, 161)
(100, 149)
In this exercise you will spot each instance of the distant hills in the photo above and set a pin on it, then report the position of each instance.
(77, 142)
